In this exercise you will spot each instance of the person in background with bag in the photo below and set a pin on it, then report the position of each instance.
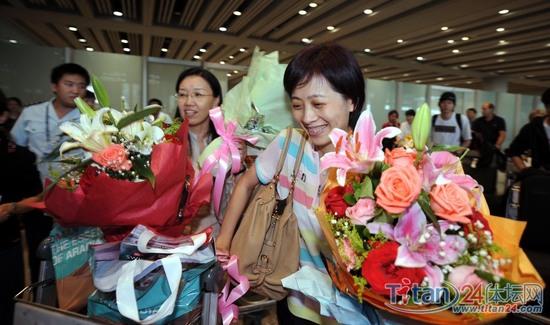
(197, 92)
(326, 87)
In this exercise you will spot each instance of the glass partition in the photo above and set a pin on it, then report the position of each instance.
(120, 73)
(26, 71)
(412, 96)
(380, 99)
(507, 110)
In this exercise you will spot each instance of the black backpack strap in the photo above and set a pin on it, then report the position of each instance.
(459, 121)
(434, 118)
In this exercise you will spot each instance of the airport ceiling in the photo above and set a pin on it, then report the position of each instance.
(463, 43)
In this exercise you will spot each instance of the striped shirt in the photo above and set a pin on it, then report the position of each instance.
(306, 198)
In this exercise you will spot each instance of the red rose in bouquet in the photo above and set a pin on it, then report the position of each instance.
(478, 223)
(334, 201)
(379, 269)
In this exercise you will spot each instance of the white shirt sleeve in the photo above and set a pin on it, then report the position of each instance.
(466, 129)
(18, 133)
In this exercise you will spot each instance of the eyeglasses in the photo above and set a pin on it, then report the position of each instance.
(196, 96)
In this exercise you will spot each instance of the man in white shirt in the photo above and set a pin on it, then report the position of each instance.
(450, 128)
(406, 126)
(38, 126)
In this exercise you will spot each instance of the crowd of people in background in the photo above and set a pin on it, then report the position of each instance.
(29, 134)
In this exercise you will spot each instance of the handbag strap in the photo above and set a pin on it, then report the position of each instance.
(282, 158)
(297, 164)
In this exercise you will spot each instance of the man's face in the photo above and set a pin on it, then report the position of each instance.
(471, 115)
(447, 106)
(68, 88)
(486, 111)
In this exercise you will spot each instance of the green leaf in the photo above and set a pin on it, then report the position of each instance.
(421, 127)
(364, 189)
(100, 92)
(424, 202)
(84, 108)
(350, 199)
(140, 166)
(138, 116)
(356, 241)
(489, 277)
(53, 155)
(83, 164)
(444, 147)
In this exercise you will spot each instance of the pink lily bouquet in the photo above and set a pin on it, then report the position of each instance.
(409, 232)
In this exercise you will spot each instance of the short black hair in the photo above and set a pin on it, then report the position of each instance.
(154, 101)
(471, 109)
(69, 68)
(337, 65)
(89, 94)
(393, 111)
(15, 99)
(206, 75)
(545, 98)
(410, 112)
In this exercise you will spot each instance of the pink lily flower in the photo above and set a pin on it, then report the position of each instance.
(359, 152)
(421, 243)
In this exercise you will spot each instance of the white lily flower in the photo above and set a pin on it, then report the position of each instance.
(91, 133)
(148, 136)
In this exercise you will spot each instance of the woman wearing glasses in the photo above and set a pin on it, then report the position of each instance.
(197, 92)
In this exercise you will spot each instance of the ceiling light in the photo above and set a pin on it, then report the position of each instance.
(202, 50)
(451, 41)
(330, 27)
(368, 11)
(235, 71)
(126, 49)
(418, 81)
(399, 41)
(439, 78)
(124, 41)
(500, 29)
(500, 53)
(228, 74)
(504, 11)
(82, 40)
(164, 49)
(307, 40)
(302, 12)
(464, 65)
(541, 61)
(90, 49)
(503, 42)
(117, 13)
(501, 60)
(196, 57)
(222, 62)
(222, 29)
(500, 71)
(406, 75)
(529, 76)
(73, 29)
(231, 57)
(465, 38)
(13, 41)
(547, 44)
(242, 49)
(366, 50)
(456, 51)
(237, 13)
(420, 58)
(444, 28)
(468, 82)
(312, 4)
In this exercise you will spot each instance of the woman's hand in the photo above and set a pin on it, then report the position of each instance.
(222, 246)
(6, 210)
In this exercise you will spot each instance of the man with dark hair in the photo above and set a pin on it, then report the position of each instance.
(89, 98)
(154, 101)
(393, 119)
(534, 137)
(38, 126)
(450, 128)
(471, 113)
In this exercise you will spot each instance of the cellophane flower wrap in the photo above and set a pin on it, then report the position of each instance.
(136, 170)
(409, 220)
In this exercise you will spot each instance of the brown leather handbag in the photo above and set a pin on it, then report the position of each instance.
(267, 241)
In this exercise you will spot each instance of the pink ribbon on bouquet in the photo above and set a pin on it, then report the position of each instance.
(226, 302)
(227, 156)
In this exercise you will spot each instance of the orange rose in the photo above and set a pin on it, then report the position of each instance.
(113, 157)
(399, 157)
(450, 202)
(399, 187)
